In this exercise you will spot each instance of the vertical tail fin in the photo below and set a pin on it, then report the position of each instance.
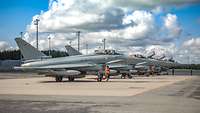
(28, 51)
(71, 51)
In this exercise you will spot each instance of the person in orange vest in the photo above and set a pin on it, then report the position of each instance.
(107, 72)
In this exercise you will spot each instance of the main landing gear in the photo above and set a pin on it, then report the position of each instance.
(124, 75)
(58, 78)
(71, 79)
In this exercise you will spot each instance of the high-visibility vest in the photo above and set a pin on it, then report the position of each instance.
(107, 70)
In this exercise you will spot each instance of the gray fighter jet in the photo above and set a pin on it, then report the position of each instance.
(123, 67)
(69, 67)
(131, 64)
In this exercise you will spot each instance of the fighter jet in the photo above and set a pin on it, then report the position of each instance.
(132, 64)
(155, 66)
(123, 67)
(116, 66)
(69, 67)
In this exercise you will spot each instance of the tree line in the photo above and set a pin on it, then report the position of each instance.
(16, 54)
(188, 66)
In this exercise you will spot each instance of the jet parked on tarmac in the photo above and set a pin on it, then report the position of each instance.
(117, 66)
(69, 67)
(132, 64)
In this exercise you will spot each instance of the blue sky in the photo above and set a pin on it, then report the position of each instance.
(63, 16)
(189, 17)
(16, 14)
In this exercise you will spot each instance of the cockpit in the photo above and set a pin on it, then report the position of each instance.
(139, 56)
(106, 52)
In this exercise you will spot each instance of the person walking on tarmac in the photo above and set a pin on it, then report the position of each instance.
(107, 73)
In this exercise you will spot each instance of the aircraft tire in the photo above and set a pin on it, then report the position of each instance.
(58, 78)
(71, 79)
(100, 76)
(123, 75)
(99, 79)
(129, 76)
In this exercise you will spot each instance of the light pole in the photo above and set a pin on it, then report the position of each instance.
(21, 34)
(36, 22)
(78, 35)
(86, 48)
(70, 42)
(104, 44)
(49, 45)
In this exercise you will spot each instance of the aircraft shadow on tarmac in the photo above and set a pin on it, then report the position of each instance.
(137, 81)
(82, 81)
(67, 81)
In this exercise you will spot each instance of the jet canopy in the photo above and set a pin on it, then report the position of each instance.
(139, 56)
(106, 52)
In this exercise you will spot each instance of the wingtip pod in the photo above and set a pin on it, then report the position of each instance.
(28, 51)
(18, 68)
(21, 68)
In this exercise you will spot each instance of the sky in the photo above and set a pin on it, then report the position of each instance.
(16, 15)
(170, 28)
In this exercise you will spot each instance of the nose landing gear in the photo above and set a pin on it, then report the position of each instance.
(100, 77)
(124, 75)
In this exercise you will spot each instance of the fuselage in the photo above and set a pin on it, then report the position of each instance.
(96, 59)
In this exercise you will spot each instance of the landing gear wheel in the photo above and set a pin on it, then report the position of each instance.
(100, 77)
(59, 78)
(71, 79)
(123, 76)
(129, 76)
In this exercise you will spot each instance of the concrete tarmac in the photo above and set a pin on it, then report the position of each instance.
(85, 86)
(162, 94)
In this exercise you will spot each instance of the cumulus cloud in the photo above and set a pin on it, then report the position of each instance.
(73, 15)
(172, 26)
(189, 51)
(88, 15)
(192, 46)
(144, 24)
(124, 24)
(152, 3)
(137, 25)
(57, 40)
(194, 42)
(4, 46)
